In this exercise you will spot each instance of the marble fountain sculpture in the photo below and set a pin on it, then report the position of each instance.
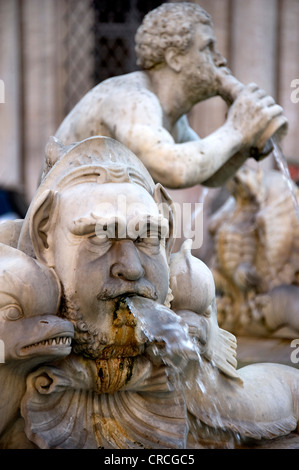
(147, 110)
(256, 255)
(149, 366)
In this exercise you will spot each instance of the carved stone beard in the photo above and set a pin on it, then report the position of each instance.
(199, 84)
(114, 359)
(88, 340)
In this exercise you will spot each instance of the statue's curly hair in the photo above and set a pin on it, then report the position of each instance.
(169, 25)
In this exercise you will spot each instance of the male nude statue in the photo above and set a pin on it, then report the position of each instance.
(146, 110)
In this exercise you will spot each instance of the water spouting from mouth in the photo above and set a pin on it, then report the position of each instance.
(170, 344)
(166, 334)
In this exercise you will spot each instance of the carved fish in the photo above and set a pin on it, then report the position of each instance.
(194, 300)
(31, 332)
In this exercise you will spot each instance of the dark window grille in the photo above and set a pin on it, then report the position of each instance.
(99, 42)
(116, 23)
(77, 51)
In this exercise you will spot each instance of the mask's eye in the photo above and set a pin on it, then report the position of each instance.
(149, 244)
(11, 312)
(98, 239)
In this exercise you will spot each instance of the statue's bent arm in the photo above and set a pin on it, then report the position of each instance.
(178, 165)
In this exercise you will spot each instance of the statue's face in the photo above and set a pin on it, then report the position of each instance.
(202, 61)
(102, 249)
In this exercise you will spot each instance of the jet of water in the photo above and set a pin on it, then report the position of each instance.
(283, 167)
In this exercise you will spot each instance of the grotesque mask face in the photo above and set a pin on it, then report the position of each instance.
(108, 243)
(97, 220)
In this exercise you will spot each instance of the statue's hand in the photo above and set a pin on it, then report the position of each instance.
(251, 114)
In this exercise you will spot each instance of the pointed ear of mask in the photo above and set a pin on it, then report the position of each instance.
(39, 227)
(166, 209)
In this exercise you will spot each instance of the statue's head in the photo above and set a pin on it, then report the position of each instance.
(180, 38)
(171, 25)
(29, 300)
(102, 224)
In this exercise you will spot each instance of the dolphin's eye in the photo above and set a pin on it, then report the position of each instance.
(11, 312)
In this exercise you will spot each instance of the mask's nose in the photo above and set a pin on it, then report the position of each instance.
(127, 263)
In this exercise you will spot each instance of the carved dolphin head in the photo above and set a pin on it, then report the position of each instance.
(29, 300)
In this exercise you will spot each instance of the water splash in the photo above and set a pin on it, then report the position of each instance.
(284, 169)
(167, 336)
(198, 379)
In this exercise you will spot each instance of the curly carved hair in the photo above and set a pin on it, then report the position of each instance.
(169, 25)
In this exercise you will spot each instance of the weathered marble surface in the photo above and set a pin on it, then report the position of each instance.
(149, 366)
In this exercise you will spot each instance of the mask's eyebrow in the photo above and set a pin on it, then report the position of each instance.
(116, 227)
(84, 225)
(111, 227)
(149, 226)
